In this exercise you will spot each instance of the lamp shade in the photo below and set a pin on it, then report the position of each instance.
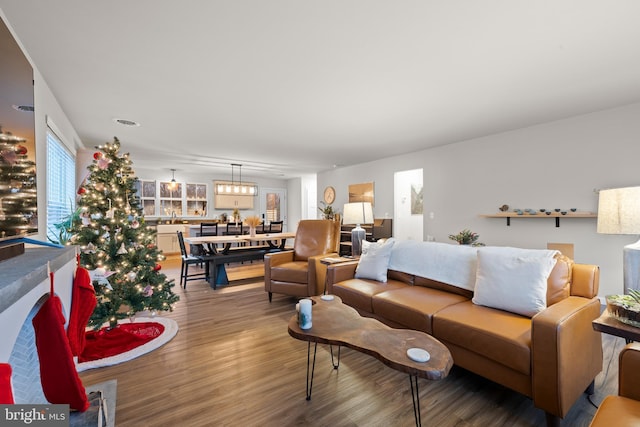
(619, 211)
(357, 213)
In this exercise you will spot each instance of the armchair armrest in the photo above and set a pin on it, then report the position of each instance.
(629, 371)
(318, 270)
(566, 353)
(339, 272)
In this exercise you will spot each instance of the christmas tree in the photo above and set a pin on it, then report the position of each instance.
(116, 246)
(18, 203)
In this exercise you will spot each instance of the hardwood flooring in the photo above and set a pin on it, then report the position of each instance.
(233, 363)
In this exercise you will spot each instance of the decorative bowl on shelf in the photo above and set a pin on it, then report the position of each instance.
(624, 308)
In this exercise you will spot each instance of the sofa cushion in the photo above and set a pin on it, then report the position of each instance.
(294, 272)
(358, 292)
(498, 335)
(413, 306)
(513, 279)
(559, 281)
(374, 260)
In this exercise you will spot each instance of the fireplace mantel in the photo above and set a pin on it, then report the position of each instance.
(19, 275)
(24, 281)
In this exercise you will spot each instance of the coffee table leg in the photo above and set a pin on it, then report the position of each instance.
(313, 367)
(415, 397)
(335, 365)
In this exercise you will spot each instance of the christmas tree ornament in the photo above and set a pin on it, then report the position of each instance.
(132, 275)
(122, 250)
(148, 291)
(9, 156)
(103, 164)
(21, 150)
(158, 267)
(97, 155)
(135, 224)
(89, 249)
(81, 191)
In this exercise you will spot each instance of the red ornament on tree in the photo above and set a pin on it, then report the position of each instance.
(97, 155)
(157, 267)
(81, 190)
(22, 150)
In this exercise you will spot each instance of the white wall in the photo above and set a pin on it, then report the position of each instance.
(557, 164)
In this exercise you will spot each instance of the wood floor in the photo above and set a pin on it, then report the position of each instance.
(233, 363)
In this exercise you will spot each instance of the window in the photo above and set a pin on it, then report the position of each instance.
(61, 178)
(170, 199)
(196, 199)
(147, 193)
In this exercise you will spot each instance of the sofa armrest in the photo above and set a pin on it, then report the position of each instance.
(566, 353)
(339, 272)
(629, 371)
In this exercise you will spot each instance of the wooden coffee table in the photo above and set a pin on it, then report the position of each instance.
(335, 323)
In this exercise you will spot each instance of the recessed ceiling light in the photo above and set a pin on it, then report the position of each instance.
(23, 108)
(126, 122)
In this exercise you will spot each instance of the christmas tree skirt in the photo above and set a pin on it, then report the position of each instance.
(129, 340)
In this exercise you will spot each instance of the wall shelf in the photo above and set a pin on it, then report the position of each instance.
(540, 215)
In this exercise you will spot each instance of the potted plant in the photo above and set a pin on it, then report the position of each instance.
(466, 237)
(327, 211)
(625, 308)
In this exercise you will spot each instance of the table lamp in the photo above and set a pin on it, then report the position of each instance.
(357, 213)
(619, 213)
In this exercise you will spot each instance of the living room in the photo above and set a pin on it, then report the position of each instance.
(550, 158)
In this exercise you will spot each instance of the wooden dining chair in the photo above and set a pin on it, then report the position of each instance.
(276, 226)
(188, 260)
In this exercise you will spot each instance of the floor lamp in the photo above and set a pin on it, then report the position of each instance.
(619, 213)
(357, 213)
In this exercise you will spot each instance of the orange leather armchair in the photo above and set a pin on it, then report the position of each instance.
(624, 409)
(299, 272)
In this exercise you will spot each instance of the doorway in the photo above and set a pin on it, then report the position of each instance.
(408, 205)
(273, 206)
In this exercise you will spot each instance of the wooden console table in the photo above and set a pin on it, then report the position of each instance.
(609, 325)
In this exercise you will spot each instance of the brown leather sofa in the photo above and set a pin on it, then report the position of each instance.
(552, 357)
(299, 272)
(623, 410)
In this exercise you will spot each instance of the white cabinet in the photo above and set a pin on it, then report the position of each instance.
(167, 238)
(233, 201)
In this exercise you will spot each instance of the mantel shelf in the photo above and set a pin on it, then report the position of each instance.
(556, 215)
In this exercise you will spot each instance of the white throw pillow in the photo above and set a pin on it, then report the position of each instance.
(513, 279)
(374, 260)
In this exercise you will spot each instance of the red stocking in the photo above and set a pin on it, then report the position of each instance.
(83, 301)
(60, 381)
(6, 392)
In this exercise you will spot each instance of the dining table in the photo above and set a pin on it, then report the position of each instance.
(219, 250)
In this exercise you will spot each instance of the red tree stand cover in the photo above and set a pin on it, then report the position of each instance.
(6, 392)
(83, 301)
(60, 381)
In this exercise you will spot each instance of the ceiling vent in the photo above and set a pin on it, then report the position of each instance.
(24, 108)
(126, 122)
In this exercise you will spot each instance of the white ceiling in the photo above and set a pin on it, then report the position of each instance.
(287, 87)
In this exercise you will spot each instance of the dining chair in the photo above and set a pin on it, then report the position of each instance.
(275, 226)
(187, 260)
(208, 229)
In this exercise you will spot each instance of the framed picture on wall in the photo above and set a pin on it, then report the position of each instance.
(416, 199)
(361, 193)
